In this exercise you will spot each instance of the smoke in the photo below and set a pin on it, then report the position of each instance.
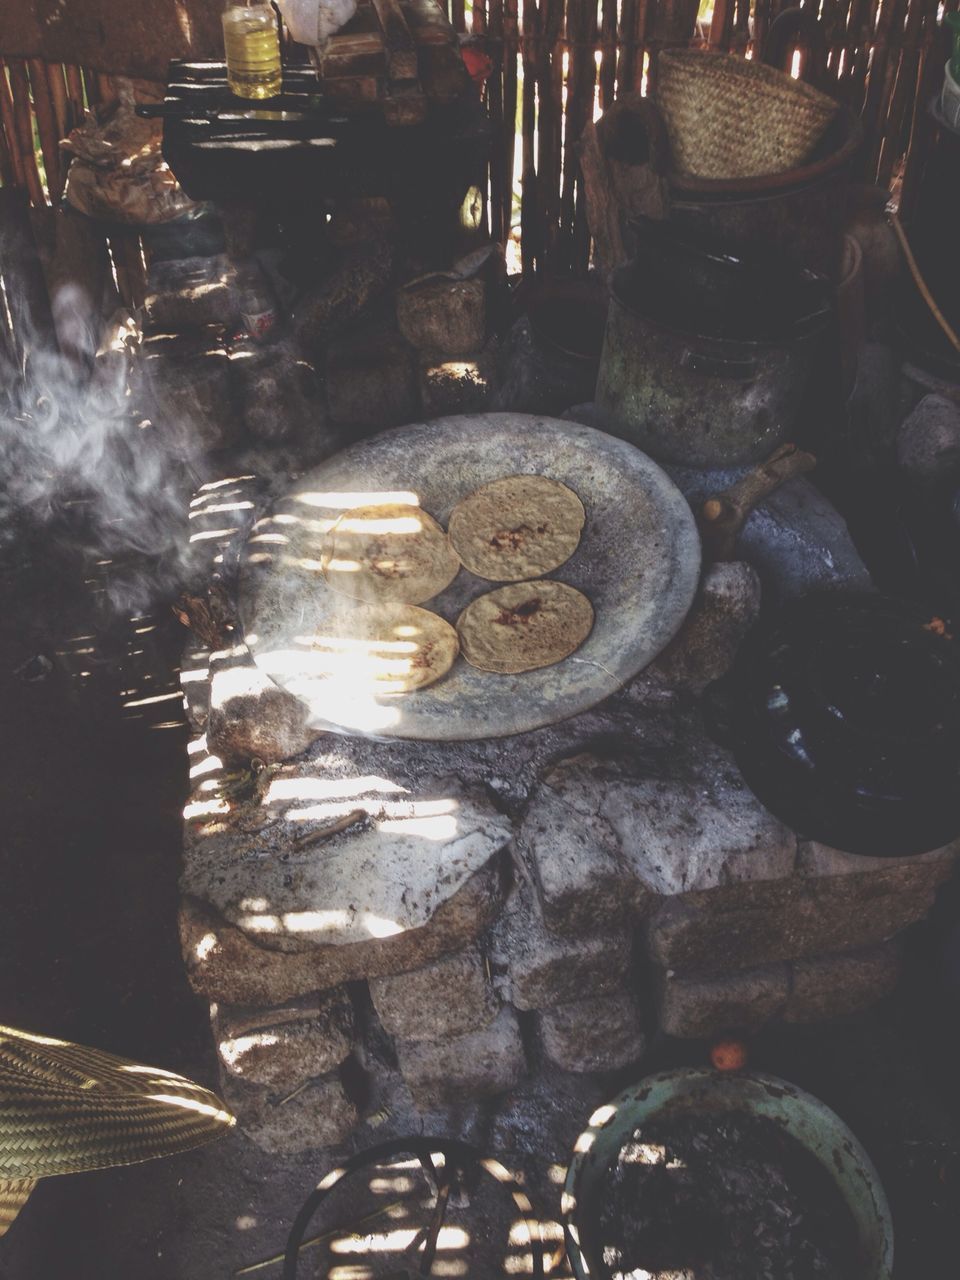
(82, 459)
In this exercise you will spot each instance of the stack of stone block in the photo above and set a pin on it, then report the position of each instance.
(452, 919)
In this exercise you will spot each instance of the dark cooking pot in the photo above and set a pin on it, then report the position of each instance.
(843, 712)
(707, 357)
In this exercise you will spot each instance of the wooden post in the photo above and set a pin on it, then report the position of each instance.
(23, 123)
(47, 130)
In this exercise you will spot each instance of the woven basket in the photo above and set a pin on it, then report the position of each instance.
(728, 117)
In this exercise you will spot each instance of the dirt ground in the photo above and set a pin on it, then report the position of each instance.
(90, 794)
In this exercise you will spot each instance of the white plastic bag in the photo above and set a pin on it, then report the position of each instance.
(312, 22)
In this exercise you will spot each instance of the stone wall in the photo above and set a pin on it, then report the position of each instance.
(437, 922)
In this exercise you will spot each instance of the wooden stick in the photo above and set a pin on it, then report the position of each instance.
(458, 15)
(889, 17)
(761, 25)
(23, 123)
(511, 54)
(931, 68)
(47, 130)
(10, 130)
(91, 87)
(6, 162)
(530, 222)
(626, 44)
(550, 156)
(724, 515)
(896, 132)
(74, 95)
(58, 96)
(921, 284)
(608, 53)
(499, 227)
(721, 25)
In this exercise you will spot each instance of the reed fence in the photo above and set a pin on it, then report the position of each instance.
(556, 64)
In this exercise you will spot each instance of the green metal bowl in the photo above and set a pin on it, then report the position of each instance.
(687, 1090)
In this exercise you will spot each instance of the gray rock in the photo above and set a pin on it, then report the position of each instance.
(692, 1008)
(282, 1047)
(224, 964)
(187, 293)
(726, 608)
(834, 986)
(313, 855)
(450, 997)
(249, 716)
(480, 1064)
(277, 391)
(187, 392)
(808, 921)
(928, 443)
(320, 1115)
(371, 380)
(362, 272)
(462, 385)
(599, 1034)
(540, 969)
(851, 874)
(443, 316)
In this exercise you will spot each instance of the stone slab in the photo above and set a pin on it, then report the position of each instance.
(923, 871)
(282, 1047)
(311, 854)
(249, 716)
(694, 1008)
(539, 969)
(805, 923)
(835, 986)
(726, 607)
(449, 997)
(481, 1064)
(599, 1034)
(609, 834)
(224, 964)
(320, 1115)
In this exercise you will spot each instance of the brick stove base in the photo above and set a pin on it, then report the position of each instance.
(386, 927)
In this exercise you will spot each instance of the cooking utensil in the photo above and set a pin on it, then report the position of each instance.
(638, 562)
(843, 712)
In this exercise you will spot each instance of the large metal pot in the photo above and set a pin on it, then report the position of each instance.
(801, 212)
(689, 1091)
(695, 398)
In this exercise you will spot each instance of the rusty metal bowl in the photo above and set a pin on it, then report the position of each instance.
(697, 1090)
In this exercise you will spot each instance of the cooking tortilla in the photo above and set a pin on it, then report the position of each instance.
(393, 553)
(517, 527)
(524, 626)
(383, 649)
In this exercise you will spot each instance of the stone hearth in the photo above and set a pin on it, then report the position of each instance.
(439, 922)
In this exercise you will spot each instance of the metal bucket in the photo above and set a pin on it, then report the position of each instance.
(691, 398)
(805, 1118)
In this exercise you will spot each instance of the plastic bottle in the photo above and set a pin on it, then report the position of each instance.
(252, 44)
(259, 309)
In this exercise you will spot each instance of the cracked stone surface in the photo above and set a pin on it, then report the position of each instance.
(319, 855)
(476, 1065)
(320, 1115)
(691, 1008)
(449, 997)
(284, 1046)
(599, 1034)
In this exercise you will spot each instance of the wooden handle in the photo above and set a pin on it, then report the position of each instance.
(723, 515)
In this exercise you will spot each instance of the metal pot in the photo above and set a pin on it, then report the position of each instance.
(693, 398)
(688, 1091)
(801, 212)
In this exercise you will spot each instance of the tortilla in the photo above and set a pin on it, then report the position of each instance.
(383, 649)
(524, 626)
(516, 528)
(389, 553)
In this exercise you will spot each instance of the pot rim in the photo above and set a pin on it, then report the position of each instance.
(803, 328)
(773, 1098)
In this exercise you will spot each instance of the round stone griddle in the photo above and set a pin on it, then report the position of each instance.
(638, 562)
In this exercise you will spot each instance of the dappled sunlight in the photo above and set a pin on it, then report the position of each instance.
(346, 501)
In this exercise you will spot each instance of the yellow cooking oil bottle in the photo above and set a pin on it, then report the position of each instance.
(252, 44)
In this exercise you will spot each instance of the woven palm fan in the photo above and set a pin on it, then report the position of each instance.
(67, 1109)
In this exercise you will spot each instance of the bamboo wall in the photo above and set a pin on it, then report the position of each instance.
(556, 64)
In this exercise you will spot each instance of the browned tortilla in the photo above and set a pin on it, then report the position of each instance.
(390, 553)
(517, 527)
(524, 626)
